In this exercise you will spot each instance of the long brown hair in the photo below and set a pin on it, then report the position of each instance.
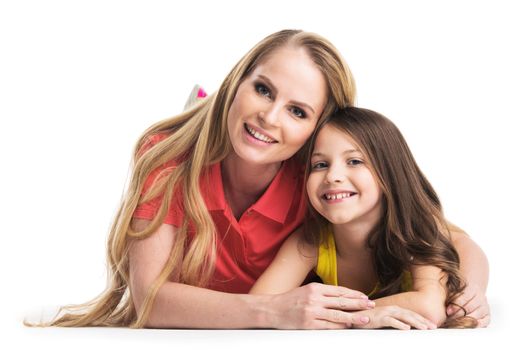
(412, 229)
(196, 138)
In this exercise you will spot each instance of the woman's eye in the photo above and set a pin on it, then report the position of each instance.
(298, 112)
(355, 162)
(319, 165)
(263, 90)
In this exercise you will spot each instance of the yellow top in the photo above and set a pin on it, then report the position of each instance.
(327, 265)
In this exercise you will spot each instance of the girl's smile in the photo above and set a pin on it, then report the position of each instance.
(340, 186)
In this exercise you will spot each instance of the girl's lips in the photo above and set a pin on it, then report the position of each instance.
(338, 195)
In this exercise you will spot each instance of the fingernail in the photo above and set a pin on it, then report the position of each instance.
(364, 319)
(370, 304)
(364, 296)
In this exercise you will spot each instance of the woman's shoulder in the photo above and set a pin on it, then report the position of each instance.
(149, 141)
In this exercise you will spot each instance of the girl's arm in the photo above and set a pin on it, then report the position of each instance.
(427, 297)
(289, 268)
(179, 305)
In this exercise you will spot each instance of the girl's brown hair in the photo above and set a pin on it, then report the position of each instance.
(196, 138)
(413, 229)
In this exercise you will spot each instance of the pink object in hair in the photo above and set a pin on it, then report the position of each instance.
(201, 93)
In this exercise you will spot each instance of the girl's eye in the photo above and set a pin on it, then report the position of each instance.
(298, 112)
(355, 162)
(263, 90)
(319, 165)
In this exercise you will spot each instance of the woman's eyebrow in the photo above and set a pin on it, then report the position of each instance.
(269, 82)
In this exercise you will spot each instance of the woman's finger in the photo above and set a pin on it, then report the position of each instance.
(348, 304)
(484, 322)
(471, 307)
(479, 313)
(338, 291)
(455, 310)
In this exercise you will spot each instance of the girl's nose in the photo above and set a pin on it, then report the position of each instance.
(334, 174)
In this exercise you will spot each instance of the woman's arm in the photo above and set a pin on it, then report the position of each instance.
(183, 306)
(474, 268)
(427, 297)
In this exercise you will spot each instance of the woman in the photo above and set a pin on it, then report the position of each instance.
(214, 193)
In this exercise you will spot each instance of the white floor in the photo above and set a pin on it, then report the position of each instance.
(501, 330)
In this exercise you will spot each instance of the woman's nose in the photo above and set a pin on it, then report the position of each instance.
(271, 116)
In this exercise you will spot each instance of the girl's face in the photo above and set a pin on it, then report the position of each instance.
(340, 186)
(277, 107)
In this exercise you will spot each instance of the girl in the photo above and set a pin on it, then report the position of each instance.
(375, 225)
(214, 193)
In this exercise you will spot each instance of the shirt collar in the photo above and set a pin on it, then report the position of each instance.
(275, 202)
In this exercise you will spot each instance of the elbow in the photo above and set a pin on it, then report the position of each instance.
(139, 292)
(434, 311)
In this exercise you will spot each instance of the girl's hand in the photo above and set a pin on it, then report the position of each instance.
(474, 301)
(394, 317)
(318, 306)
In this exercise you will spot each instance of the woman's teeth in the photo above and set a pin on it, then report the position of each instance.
(258, 135)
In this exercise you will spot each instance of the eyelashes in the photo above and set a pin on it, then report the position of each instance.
(354, 162)
(265, 91)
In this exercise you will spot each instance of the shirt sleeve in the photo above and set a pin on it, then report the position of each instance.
(148, 210)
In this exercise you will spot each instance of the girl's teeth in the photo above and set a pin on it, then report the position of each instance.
(338, 196)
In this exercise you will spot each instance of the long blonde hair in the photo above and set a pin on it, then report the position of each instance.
(196, 138)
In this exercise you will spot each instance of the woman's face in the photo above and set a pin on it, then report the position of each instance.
(277, 107)
(341, 187)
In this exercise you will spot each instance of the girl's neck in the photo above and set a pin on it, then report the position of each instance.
(351, 238)
(244, 182)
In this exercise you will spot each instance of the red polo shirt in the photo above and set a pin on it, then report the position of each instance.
(246, 247)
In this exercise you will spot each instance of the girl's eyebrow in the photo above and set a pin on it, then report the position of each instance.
(320, 154)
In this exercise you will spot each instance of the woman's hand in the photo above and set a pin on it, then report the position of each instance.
(394, 317)
(318, 306)
(474, 303)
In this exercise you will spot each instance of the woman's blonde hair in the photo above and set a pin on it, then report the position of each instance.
(196, 139)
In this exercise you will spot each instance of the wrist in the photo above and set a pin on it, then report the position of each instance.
(260, 307)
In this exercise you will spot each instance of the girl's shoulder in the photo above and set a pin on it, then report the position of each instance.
(296, 242)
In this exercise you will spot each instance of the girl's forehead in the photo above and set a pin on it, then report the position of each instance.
(333, 136)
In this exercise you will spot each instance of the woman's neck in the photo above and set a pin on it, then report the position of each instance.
(244, 183)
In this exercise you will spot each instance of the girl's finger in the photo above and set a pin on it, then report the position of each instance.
(395, 323)
(415, 320)
(347, 318)
(322, 324)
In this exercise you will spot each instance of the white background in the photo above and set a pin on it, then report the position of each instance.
(80, 80)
